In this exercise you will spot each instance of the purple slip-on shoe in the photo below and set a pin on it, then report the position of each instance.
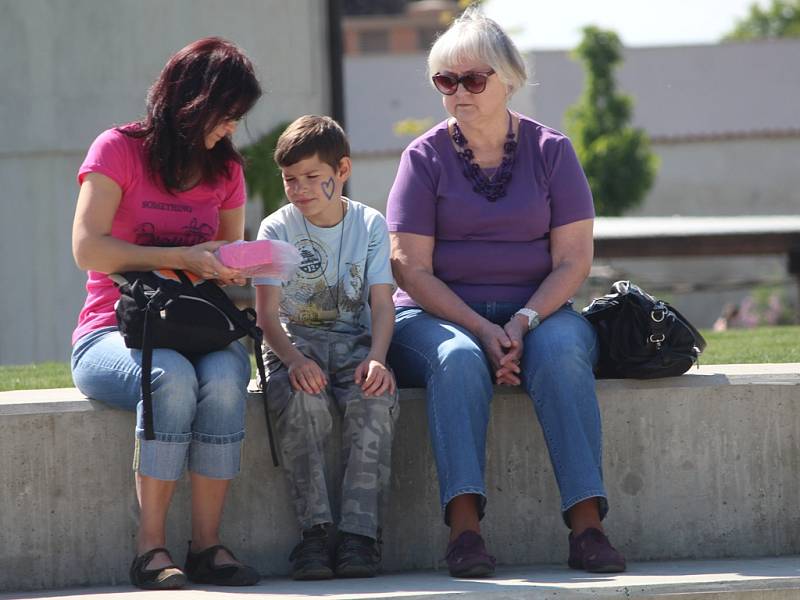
(467, 556)
(591, 551)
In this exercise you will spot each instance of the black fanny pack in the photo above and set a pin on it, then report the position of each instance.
(640, 336)
(168, 309)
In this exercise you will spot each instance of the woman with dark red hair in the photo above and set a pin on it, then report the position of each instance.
(165, 192)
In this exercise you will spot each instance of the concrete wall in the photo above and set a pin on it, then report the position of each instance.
(372, 179)
(725, 177)
(70, 70)
(703, 465)
(677, 91)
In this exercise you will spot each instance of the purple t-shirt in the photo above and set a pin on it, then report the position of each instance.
(489, 251)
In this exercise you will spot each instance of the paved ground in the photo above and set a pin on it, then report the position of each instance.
(752, 579)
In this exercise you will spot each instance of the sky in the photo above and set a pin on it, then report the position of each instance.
(556, 24)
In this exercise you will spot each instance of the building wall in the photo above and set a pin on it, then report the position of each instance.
(755, 176)
(72, 69)
(724, 123)
(372, 179)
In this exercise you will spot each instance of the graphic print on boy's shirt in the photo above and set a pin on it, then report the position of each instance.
(312, 296)
(362, 250)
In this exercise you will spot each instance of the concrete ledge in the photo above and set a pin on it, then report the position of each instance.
(706, 465)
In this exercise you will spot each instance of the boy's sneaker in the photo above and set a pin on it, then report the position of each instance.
(467, 556)
(311, 558)
(591, 551)
(357, 556)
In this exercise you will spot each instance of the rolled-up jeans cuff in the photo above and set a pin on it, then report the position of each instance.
(216, 456)
(165, 460)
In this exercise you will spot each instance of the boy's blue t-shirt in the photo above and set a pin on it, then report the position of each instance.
(319, 286)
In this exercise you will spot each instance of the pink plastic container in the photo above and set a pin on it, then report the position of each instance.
(260, 258)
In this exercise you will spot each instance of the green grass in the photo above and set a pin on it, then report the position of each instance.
(32, 377)
(761, 345)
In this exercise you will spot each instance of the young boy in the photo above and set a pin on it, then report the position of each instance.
(320, 356)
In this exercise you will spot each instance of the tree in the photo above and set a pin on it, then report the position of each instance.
(261, 174)
(781, 20)
(615, 156)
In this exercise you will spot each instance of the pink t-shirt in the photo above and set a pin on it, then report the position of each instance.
(148, 215)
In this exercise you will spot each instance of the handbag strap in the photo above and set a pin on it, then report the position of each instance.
(147, 372)
(263, 380)
(245, 319)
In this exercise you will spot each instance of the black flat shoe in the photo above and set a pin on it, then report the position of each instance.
(165, 578)
(311, 558)
(200, 568)
(357, 556)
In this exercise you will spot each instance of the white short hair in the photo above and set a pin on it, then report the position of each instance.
(476, 37)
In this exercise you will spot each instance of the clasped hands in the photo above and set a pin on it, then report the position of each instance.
(503, 346)
(372, 375)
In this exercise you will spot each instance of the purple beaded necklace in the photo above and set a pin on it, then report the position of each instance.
(491, 187)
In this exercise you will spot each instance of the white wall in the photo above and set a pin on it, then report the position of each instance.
(726, 177)
(372, 179)
(68, 70)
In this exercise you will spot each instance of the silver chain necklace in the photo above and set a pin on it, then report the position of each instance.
(335, 300)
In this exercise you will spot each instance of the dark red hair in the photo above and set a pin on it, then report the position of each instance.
(206, 82)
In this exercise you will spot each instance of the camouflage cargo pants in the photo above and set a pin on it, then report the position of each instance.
(304, 423)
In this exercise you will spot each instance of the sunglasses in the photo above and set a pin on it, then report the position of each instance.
(474, 83)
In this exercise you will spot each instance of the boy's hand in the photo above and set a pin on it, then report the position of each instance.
(305, 375)
(374, 378)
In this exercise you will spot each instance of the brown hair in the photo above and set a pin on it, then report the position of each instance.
(310, 135)
(206, 82)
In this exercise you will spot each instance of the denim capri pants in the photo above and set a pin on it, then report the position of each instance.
(198, 402)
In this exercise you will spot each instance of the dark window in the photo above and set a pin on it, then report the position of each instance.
(426, 36)
(373, 41)
(374, 7)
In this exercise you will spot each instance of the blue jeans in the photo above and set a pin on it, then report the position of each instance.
(198, 402)
(557, 361)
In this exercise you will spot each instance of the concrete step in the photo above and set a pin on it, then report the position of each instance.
(740, 579)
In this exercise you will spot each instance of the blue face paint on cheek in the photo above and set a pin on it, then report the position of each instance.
(328, 188)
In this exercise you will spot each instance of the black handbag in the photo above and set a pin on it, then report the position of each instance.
(168, 309)
(640, 336)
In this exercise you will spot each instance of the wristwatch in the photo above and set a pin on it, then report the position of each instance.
(531, 315)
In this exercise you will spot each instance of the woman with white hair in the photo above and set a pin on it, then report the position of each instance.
(491, 219)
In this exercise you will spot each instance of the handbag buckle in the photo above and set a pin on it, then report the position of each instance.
(656, 339)
(661, 312)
